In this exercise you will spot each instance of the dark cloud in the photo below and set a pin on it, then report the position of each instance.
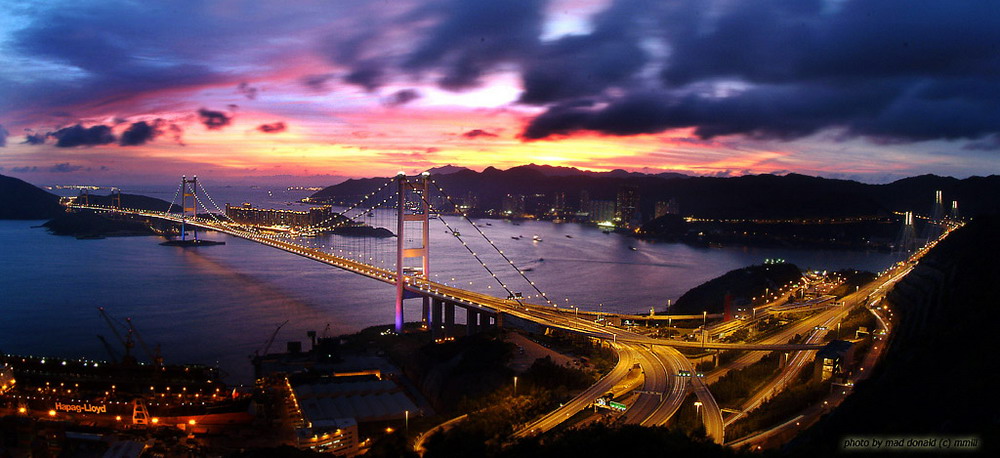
(476, 133)
(472, 38)
(138, 133)
(214, 120)
(272, 128)
(35, 138)
(106, 50)
(367, 74)
(317, 82)
(583, 65)
(24, 169)
(778, 69)
(78, 135)
(3, 136)
(64, 167)
(247, 90)
(401, 97)
(456, 41)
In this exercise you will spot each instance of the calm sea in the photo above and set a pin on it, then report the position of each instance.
(217, 305)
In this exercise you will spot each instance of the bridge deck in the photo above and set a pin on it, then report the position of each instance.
(548, 316)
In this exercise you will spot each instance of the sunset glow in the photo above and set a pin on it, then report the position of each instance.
(332, 91)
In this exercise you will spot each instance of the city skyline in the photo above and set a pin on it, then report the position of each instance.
(123, 93)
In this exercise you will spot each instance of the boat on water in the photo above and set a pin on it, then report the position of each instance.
(633, 248)
(569, 236)
(535, 238)
(516, 237)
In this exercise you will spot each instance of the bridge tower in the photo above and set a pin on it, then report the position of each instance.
(412, 206)
(117, 197)
(954, 210)
(937, 213)
(189, 189)
(933, 228)
(906, 240)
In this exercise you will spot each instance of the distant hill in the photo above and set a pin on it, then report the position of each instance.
(135, 201)
(753, 196)
(445, 169)
(742, 284)
(22, 200)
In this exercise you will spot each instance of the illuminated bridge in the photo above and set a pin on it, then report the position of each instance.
(411, 201)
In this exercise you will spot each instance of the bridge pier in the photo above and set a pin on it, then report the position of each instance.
(425, 312)
(472, 321)
(449, 319)
(436, 306)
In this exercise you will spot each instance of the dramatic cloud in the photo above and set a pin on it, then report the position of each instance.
(272, 128)
(3, 136)
(214, 120)
(456, 41)
(585, 65)
(401, 97)
(138, 133)
(78, 135)
(473, 37)
(247, 90)
(476, 133)
(779, 69)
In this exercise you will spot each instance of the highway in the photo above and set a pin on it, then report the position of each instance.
(656, 386)
(628, 356)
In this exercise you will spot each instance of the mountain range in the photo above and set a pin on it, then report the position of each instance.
(744, 197)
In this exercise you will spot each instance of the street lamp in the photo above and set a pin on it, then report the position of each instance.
(515, 385)
(407, 421)
(704, 329)
(697, 407)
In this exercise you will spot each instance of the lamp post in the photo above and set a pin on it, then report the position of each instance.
(704, 329)
(697, 407)
(515, 385)
(407, 424)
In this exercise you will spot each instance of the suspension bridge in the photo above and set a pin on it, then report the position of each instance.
(408, 204)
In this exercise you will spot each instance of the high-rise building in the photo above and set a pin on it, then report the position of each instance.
(558, 204)
(513, 205)
(669, 207)
(584, 201)
(627, 205)
(470, 202)
(602, 211)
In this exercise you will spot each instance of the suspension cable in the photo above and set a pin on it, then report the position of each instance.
(495, 247)
(510, 294)
(352, 207)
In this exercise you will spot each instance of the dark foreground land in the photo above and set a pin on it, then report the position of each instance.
(938, 379)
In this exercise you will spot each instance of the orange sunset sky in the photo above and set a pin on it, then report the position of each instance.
(120, 93)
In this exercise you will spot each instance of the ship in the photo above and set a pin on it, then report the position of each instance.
(122, 395)
(123, 392)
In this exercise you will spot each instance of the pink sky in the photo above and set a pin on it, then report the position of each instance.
(368, 90)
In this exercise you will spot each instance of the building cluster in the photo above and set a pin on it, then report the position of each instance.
(622, 212)
(336, 403)
(247, 214)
